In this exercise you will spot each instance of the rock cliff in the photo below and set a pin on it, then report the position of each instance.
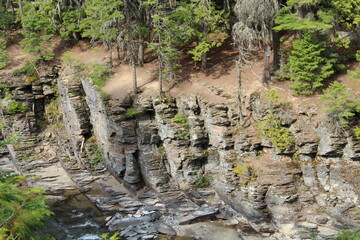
(194, 154)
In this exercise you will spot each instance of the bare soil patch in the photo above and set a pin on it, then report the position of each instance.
(17, 59)
(221, 74)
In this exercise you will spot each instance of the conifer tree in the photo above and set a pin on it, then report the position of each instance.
(308, 65)
(207, 25)
(6, 18)
(22, 211)
(38, 28)
(298, 15)
(167, 37)
(70, 22)
(3, 53)
(102, 22)
(340, 105)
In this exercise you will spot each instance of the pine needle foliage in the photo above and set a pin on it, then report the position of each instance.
(22, 210)
(348, 235)
(280, 136)
(273, 130)
(308, 65)
(38, 29)
(99, 74)
(357, 133)
(340, 106)
(4, 58)
(16, 107)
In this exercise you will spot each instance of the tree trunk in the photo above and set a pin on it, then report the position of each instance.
(204, 60)
(141, 52)
(12, 8)
(110, 55)
(75, 36)
(239, 78)
(134, 74)
(118, 52)
(227, 21)
(276, 49)
(160, 78)
(20, 8)
(267, 53)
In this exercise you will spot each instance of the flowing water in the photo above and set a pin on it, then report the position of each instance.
(76, 218)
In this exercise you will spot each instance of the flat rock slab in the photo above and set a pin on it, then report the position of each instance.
(327, 233)
(202, 214)
(164, 228)
(119, 224)
(116, 224)
(308, 225)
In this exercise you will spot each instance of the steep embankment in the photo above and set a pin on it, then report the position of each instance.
(185, 158)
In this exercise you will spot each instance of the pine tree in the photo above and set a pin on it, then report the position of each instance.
(71, 19)
(207, 25)
(308, 65)
(3, 54)
(102, 21)
(38, 28)
(299, 15)
(340, 106)
(22, 210)
(6, 18)
(164, 44)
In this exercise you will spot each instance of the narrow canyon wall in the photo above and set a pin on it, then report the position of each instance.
(316, 176)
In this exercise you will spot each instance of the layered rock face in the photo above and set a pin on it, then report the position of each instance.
(179, 141)
(173, 145)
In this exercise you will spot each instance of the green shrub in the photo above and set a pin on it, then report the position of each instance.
(22, 210)
(104, 95)
(355, 75)
(348, 235)
(277, 134)
(96, 155)
(5, 92)
(4, 58)
(10, 140)
(309, 65)
(181, 119)
(271, 126)
(204, 181)
(99, 73)
(183, 134)
(357, 132)
(245, 172)
(272, 99)
(340, 106)
(106, 236)
(162, 150)
(68, 59)
(16, 107)
(29, 70)
(132, 112)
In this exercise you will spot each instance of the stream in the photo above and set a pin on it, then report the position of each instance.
(76, 218)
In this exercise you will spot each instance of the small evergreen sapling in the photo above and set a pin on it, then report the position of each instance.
(357, 132)
(308, 66)
(279, 135)
(339, 105)
(3, 54)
